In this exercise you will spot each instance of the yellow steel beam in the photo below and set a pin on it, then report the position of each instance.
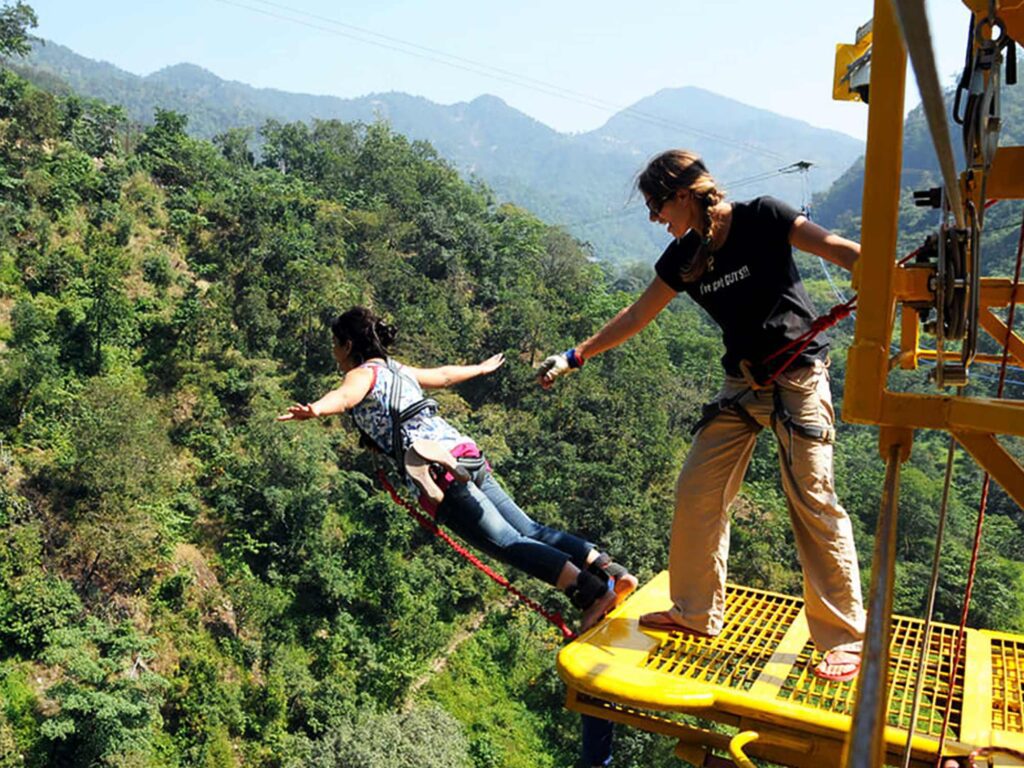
(868, 361)
(1005, 179)
(910, 284)
(999, 292)
(999, 331)
(931, 354)
(776, 742)
(945, 412)
(976, 717)
(996, 460)
(910, 338)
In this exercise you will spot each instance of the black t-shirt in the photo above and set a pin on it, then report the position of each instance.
(754, 291)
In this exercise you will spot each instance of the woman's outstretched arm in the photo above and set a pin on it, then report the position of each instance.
(447, 375)
(353, 389)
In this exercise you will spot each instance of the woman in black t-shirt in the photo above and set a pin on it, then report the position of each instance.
(736, 261)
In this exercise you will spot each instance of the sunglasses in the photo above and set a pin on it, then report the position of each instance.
(654, 205)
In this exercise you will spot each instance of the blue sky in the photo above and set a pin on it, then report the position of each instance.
(567, 64)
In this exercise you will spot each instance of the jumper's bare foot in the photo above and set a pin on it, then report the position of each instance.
(838, 666)
(625, 585)
(598, 609)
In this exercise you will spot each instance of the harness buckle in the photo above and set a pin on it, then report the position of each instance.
(746, 368)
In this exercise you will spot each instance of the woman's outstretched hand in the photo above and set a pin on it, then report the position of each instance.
(299, 412)
(492, 363)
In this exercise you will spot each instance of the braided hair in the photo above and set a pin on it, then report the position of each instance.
(369, 333)
(677, 170)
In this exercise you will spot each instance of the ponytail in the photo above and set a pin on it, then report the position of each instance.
(370, 334)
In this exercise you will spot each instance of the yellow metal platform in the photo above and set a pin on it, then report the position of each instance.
(757, 676)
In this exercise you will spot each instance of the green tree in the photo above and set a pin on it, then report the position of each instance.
(427, 737)
(15, 22)
(33, 602)
(108, 701)
(119, 478)
(234, 145)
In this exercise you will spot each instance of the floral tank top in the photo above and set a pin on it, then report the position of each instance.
(372, 416)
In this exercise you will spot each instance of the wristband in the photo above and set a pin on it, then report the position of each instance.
(574, 358)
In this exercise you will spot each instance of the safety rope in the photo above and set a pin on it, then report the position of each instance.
(983, 503)
(929, 611)
(429, 524)
(801, 342)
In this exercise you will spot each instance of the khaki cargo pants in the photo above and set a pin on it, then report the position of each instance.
(710, 480)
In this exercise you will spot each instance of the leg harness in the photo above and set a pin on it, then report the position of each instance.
(780, 417)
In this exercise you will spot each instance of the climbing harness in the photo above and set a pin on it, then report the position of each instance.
(401, 415)
(781, 417)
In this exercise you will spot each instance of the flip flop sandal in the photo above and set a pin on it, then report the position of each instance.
(835, 659)
(663, 621)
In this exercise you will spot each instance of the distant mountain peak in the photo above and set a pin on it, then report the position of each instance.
(489, 100)
(185, 73)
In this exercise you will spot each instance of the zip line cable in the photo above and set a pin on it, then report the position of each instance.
(631, 208)
(468, 65)
(474, 65)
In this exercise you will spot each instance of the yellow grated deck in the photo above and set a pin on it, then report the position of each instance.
(756, 675)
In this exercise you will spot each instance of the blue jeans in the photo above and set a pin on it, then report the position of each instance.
(483, 514)
(597, 741)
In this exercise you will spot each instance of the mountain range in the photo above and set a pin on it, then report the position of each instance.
(581, 181)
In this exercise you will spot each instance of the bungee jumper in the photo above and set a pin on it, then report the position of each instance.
(736, 261)
(447, 471)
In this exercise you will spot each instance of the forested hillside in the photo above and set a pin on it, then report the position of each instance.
(186, 582)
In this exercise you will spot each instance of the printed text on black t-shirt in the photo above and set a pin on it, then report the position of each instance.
(725, 280)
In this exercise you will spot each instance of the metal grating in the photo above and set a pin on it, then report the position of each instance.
(1007, 690)
(802, 687)
(755, 623)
